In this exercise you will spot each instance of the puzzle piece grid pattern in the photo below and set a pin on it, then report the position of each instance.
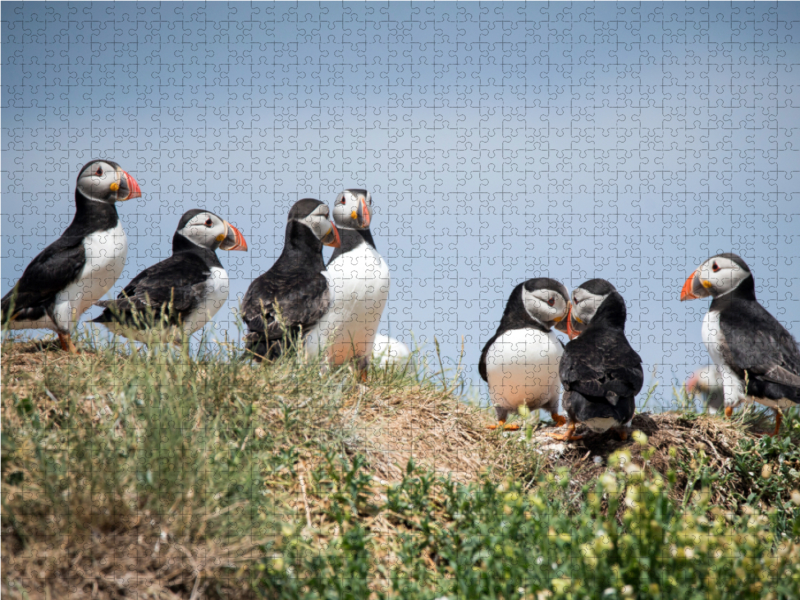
(499, 141)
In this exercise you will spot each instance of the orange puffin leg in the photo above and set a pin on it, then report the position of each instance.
(558, 419)
(566, 437)
(622, 433)
(778, 421)
(502, 425)
(66, 343)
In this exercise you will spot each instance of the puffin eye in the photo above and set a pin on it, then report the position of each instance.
(715, 267)
(551, 301)
(99, 172)
(209, 222)
(344, 200)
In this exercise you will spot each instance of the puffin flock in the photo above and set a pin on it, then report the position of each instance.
(332, 311)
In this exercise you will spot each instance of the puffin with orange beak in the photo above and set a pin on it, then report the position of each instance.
(599, 370)
(179, 295)
(359, 279)
(756, 358)
(76, 270)
(292, 297)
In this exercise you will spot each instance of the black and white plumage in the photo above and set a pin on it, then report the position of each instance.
(359, 279)
(520, 362)
(294, 294)
(600, 372)
(750, 348)
(76, 270)
(179, 295)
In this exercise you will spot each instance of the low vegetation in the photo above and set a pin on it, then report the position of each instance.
(177, 474)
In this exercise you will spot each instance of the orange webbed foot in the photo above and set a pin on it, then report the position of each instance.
(566, 437)
(502, 425)
(558, 419)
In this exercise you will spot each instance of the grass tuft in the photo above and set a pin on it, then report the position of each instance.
(179, 473)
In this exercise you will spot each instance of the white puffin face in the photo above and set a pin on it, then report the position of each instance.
(319, 223)
(544, 305)
(720, 275)
(105, 181)
(352, 209)
(585, 305)
(207, 230)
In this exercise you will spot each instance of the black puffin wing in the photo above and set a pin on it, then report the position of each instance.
(53, 269)
(175, 283)
(482, 363)
(581, 369)
(623, 366)
(756, 342)
(299, 303)
(625, 380)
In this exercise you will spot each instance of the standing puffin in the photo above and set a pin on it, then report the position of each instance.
(600, 372)
(520, 361)
(181, 294)
(76, 270)
(748, 345)
(359, 278)
(295, 292)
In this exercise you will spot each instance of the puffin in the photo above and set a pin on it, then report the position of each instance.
(706, 381)
(294, 294)
(360, 280)
(600, 372)
(179, 295)
(76, 270)
(756, 358)
(520, 361)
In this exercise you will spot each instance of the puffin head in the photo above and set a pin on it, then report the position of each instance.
(314, 215)
(209, 231)
(545, 300)
(717, 276)
(352, 209)
(586, 299)
(105, 181)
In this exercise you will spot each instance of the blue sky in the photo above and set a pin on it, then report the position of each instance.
(500, 141)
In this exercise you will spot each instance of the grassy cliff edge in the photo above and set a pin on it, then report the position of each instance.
(170, 475)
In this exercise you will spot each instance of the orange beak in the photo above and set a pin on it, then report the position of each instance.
(687, 292)
(366, 217)
(570, 331)
(234, 240)
(332, 238)
(133, 186)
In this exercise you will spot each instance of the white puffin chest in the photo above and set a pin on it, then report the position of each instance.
(713, 338)
(214, 296)
(105, 252)
(522, 368)
(359, 284)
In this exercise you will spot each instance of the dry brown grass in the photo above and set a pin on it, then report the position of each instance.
(386, 424)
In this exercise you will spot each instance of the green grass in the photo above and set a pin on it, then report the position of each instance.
(180, 474)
